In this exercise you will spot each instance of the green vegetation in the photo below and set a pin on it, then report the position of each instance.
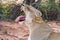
(49, 9)
(9, 11)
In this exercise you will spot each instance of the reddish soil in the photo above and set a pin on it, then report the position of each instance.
(15, 31)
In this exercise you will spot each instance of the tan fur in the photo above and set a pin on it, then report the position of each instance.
(39, 30)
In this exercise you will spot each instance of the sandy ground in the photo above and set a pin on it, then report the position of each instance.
(14, 31)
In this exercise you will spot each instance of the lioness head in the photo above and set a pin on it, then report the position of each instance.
(34, 14)
(27, 8)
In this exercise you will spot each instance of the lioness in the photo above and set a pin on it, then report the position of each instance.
(39, 30)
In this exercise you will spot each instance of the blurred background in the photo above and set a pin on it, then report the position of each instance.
(10, 9)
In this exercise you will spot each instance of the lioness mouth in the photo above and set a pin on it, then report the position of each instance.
(20, 18)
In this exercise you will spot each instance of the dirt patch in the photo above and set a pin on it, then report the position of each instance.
(15, 31)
